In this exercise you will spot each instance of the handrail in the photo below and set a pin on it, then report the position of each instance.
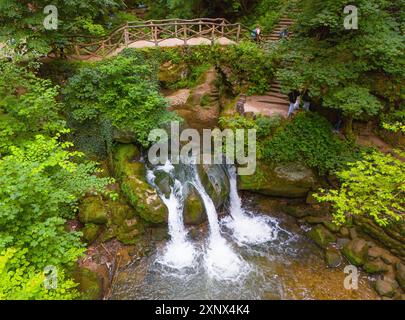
(153, 30)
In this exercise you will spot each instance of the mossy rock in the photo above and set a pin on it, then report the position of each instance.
(322, 236)
(124, 224)
(400, 267)
(91, 232)
(141, 195)
(90, 284)
(194, 211)
(297, 211)
(290, 180)
(333, 257)
(356, 251)
(375, 266)
(93, 210)
(170, 73)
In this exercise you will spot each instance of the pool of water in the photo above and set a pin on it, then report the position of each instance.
(287, 266)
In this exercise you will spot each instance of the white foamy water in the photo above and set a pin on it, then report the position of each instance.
(221, 262)
(179, 252)
(246, 228)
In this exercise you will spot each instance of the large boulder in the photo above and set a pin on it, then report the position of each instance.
(386, 287)
(171, 73)
(216, 183)
(333, 257)
(291, 180)
(322, 236)
(90, 283)
(132, 175)
(194, 211)
(356, 252)
(401, 275)
(93, 210)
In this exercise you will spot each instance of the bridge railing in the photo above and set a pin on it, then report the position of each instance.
(154, 32)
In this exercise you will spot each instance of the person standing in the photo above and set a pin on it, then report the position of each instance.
(256, 33)
(306, 100)
(293, 98)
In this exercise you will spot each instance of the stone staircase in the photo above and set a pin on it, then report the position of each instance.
(284, 23)
(273, 102)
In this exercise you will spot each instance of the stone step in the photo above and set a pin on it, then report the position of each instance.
(278, 95)
(273, 99)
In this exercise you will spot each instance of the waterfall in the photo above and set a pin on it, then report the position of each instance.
(179, 252)
(246, 228)
(221, 262)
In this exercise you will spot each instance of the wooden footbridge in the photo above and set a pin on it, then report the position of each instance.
(162, 33)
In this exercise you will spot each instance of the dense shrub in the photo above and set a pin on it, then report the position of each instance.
(123, 90)
(309, 139)
(373, 186)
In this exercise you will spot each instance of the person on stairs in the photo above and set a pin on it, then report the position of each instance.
(293, 98)
(283, 34)
(256, 33)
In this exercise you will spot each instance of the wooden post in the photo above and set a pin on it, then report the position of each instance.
(238, 34)
(185, 34)
(199, 27)
(222, 28)
(176, 29)
(126, 36)
(103, 49)
(156, 36)
(213, 34)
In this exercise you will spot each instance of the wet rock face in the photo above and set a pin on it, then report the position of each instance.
(132, 175)
(291, 180)
(194, 211)
(216, 182)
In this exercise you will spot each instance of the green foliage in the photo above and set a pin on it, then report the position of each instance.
(122, 90)
(20, 280)
(373, 186)
(265, 13)
(251, 68)
(27, 106)
(343, 67)
(22, 23)
(354, 101)
(308, 139)
(188, 9)
(40, 188)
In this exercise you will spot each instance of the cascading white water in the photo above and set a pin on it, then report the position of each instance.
(179, 252)
(246, 228)
(221, 262)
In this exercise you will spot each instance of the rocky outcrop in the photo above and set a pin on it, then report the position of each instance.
(322, 236)
(291, 180)
(194, 211)
(171, 73)
(132, 175)
(216, 182)
(393, 237)
(92, 210)
(202, 108)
